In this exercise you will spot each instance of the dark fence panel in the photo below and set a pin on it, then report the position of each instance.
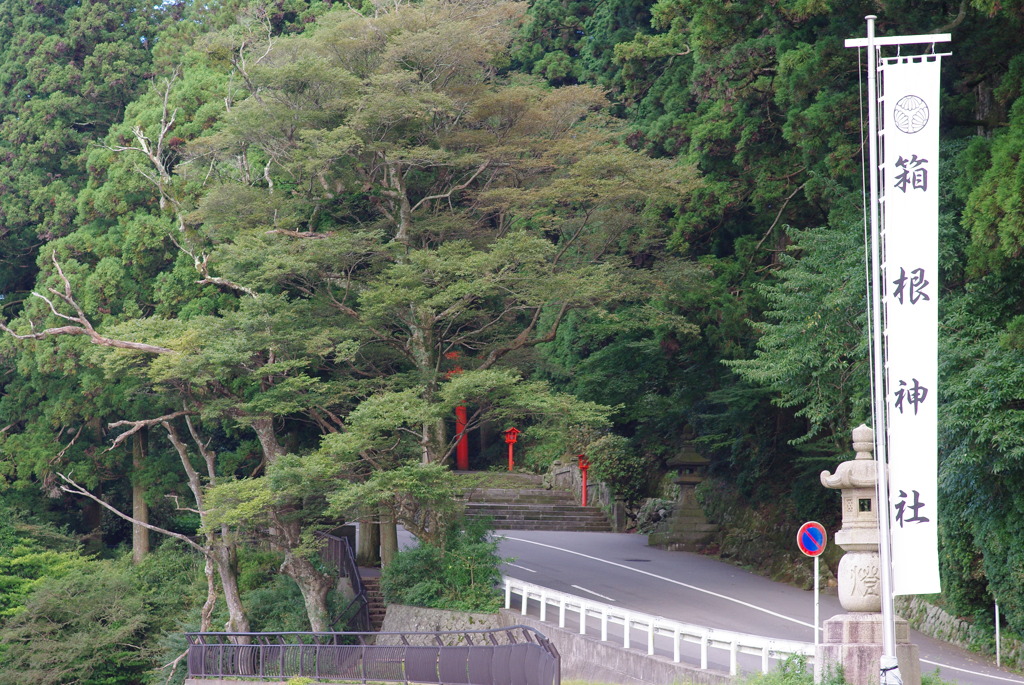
(510, 656)
(337, 552)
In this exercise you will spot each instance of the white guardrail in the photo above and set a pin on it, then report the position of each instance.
(707, 638)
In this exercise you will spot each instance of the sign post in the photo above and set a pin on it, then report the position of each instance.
(811, 539)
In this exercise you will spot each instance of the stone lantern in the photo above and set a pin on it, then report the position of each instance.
(687, 529)
(854, 640)
(859, 578)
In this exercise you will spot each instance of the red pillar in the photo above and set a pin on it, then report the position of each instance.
(584, 465)
(462, 449)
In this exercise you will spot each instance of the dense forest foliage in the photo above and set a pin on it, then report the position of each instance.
(253, 255)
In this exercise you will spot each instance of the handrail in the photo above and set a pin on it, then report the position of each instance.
(708, 638)
(522, 655)
(338, 552)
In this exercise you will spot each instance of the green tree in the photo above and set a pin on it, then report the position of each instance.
(67, 71)
(813, 349)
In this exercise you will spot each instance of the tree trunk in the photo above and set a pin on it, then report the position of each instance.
(368, 545)
(388, 538)
(286, 536)
(226, 557)
(140, 509)
(206, 615)
(314, 587)
(272, 449)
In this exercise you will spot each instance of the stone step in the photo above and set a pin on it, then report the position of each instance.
(535, 515)
(522, 506)
(567, 520)
(536, 496)
(376, 607)
(530, 524)
(532, 508)
(553, 527)
(538, 521)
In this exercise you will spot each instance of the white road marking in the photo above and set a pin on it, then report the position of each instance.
(736, 601)
(977, 673)
(522, 567)
(667, 580)
(596, 594)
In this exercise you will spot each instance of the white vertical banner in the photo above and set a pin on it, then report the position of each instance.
(909, 168)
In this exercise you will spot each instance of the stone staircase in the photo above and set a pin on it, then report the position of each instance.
(375, 601)
(533, 507)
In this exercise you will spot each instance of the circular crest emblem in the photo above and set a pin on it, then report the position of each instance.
(910, 114)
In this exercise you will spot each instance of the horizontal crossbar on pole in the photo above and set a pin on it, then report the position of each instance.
(901, 40)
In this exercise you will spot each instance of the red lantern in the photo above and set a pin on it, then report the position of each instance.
(584, 464)
(511, 435)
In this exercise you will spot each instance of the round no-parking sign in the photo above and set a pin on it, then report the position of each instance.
(811, 538)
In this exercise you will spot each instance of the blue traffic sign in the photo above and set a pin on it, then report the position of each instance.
(811, 538)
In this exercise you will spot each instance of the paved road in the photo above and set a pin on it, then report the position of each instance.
(622, 570)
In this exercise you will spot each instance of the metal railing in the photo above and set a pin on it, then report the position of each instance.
(337, 552)
(652, 626)
(518, 655)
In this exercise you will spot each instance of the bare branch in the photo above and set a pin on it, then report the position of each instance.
(209, 456)
(523, 339)
(136, 426)
(301, 234)
(959, 19)
(75, 489)
(215, 280)
(462, 186)
(194, 484)
(202, 264)
(84, 326)
(60, 455)
(778, 216)
(178, 507)
(173, 665)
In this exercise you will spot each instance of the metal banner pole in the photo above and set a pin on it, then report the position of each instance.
(817, 601)
(999, 661)
(884, 550)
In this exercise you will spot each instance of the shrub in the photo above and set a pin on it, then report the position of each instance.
(795, 671)
(615, 461)
(83, 626)
(461, 575)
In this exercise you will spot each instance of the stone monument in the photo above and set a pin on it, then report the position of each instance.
(687, 529)
(854, 640)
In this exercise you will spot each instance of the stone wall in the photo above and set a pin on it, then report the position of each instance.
(934, 622)
(565, 475)
(401, 618)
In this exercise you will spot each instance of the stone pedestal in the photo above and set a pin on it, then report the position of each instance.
(854, 641)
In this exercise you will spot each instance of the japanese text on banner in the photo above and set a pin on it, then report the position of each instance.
(910, 175)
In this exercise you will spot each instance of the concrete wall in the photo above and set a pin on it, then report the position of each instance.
(583, 658)
(589, 659)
